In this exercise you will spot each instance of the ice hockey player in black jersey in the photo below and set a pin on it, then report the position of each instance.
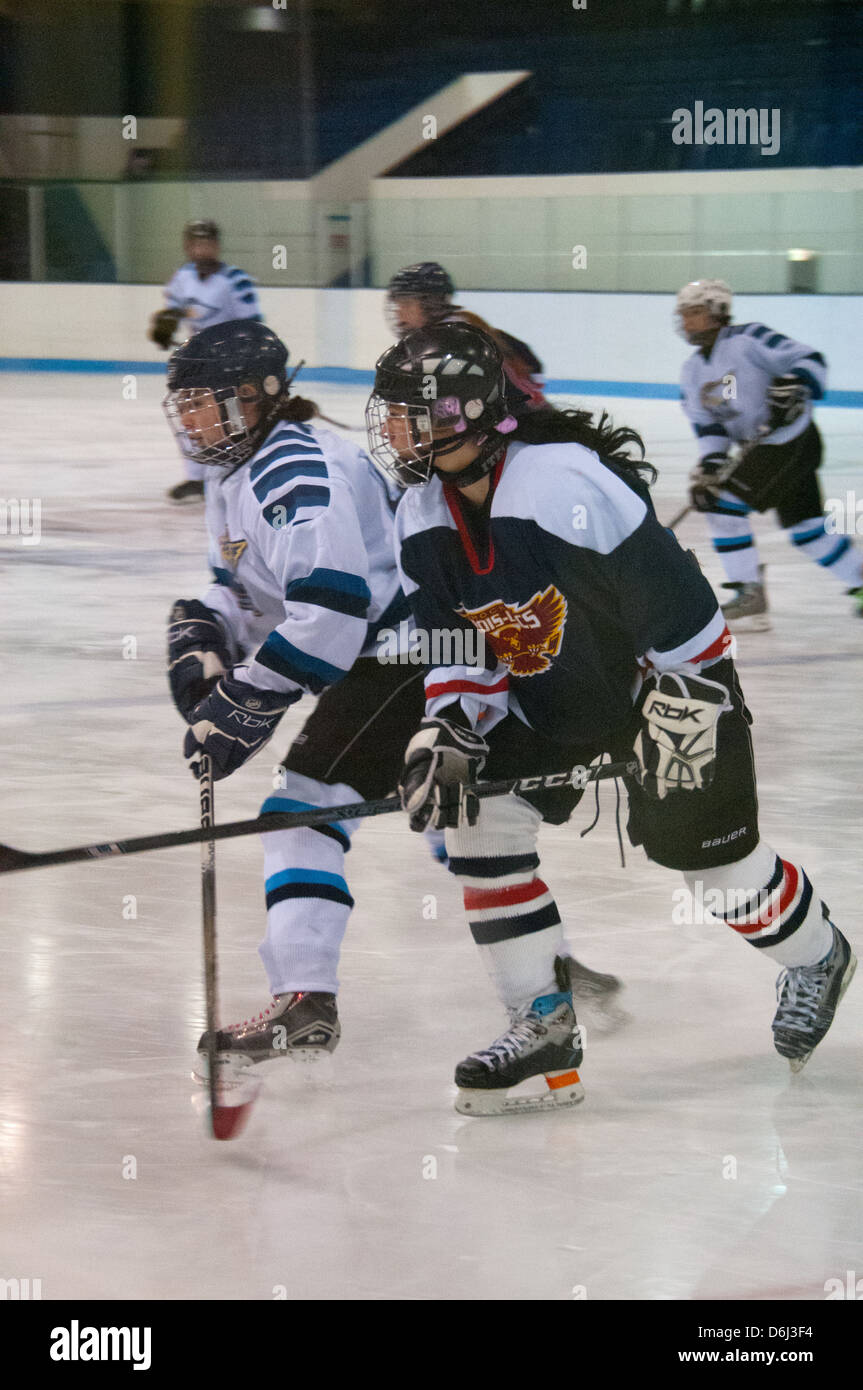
(748, 385)
(602, 636)
(421, 294)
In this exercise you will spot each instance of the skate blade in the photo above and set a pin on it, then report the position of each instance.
(757, 622)
(798, 1063)
(564, 1091)
(232, 1067)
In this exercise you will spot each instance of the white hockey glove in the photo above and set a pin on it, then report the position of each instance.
(706, 480)
(676, 746)
(786, 399)
(439, 760)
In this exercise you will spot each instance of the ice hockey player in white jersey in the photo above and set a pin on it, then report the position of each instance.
(602, 636)
(304, 577)
(748, 385)
(202, 293)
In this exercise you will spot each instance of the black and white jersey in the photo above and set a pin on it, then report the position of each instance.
(574, 584)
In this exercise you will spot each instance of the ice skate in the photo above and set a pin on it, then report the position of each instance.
(808, 998)
(303, 1026)
(747, 611)
(542, 1041)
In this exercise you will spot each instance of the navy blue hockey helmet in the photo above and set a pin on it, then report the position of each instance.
(434, 391)
(212, 377)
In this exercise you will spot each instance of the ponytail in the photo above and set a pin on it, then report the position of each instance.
(553, 426)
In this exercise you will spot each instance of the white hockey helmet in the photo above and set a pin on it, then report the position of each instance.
(713, 295)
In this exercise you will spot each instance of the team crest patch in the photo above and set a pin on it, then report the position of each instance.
(716, 396)
(231, 551)
(524, 638)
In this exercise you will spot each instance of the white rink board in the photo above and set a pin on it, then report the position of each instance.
(579, 337)
(696, 1167)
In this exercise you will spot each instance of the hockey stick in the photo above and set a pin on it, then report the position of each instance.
(231, 1096)
(355, 428)
(318, 416)
(725, 474)
(208, 924)
(11, 860)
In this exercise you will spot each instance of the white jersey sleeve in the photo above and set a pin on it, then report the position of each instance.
(780, 355)
(303, 525)
(175, 290)
(242, 295)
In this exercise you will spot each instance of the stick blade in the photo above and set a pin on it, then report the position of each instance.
(229, 1121)
(11, 859)
(226, 1106)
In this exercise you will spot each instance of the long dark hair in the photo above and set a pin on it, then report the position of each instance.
(552, 426)
(295, 408)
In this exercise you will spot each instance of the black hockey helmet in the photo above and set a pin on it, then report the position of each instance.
(427, 283)
(447, 383)
(210, 375)
(424, 278)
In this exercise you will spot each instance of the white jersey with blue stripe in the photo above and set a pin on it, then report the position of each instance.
(225, 294)
(724, 392)
(301, 545)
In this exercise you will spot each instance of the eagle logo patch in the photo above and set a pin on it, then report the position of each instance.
(524, 638)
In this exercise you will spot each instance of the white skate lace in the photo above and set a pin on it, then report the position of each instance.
(506, 1047)
(804, 986)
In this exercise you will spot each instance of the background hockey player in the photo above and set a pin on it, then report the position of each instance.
(304, 576)
(746, 382)
(421, 294)
(203, 292)
(603, 636)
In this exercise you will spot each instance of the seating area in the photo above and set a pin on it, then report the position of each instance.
(594, 106)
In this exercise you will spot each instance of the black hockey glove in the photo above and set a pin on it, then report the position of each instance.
(440, 758)
(786, 399)
(676, 746)
(232, 724)
(163, 326)
(704, 481)
(197, 653)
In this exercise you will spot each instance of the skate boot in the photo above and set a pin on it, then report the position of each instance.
(541, 1041)
(300, 1025)
(808, 997)
(747, 612)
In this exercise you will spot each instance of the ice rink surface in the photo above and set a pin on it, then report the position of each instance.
(696, 1168)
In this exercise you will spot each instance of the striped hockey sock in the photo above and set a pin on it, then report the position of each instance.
(770, 903)
(308, 900)
(513, 917)
(834, 553)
